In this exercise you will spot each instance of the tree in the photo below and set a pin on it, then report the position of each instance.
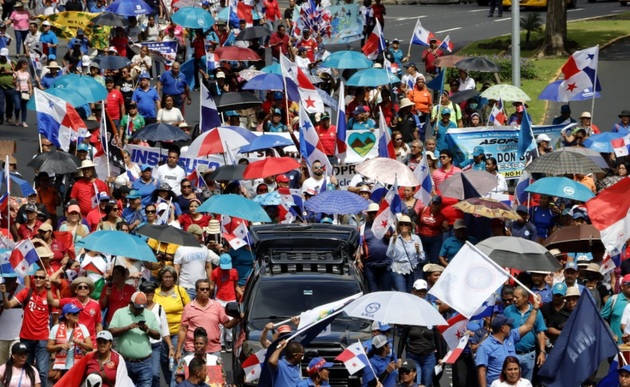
(531, 23)
(556, 28)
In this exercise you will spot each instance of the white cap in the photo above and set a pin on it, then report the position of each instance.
(542, 137)
(420, 285)
(46, 23)
(86, 61)
(379, 341)
(105, 335)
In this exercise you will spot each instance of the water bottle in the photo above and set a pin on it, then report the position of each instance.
(171, 363)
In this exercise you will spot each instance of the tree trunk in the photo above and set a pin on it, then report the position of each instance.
(556, 29)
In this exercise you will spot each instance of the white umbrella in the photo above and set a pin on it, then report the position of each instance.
(395, 308)
(387, 171)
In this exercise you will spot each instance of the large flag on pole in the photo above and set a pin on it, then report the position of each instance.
(341, 147)
(209, 114)
(313, 315)
(310, 147)
(386, 216)
(610, 214)
(57, 120)
(585, 341)
(375, 43)
(421, 35)
(526, 136)
(23, 257)
(580, 73)
(311, 100)
(354, 358)
(469, 279)
(385, 143)
(423, 173)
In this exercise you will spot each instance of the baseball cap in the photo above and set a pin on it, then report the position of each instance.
(559, 288)
(411, 64)
(105, 335)
(163, 186)
(327, 220)
(19, 348)
(379, 341)
(30, 208)
(408, 365)
(144, 167)
(70, 308)
(144, 76)
(225, 261)
(572, 292)
(478, 151)
(139, 300)
(80, 31)
(446, 111)
(420, 285)
(500, 320)
(74, 208)
(82, 147)
(195, 229)
(459, 224)
(522, 209)
(134, 194)
(103, 196)
(365, 188)
(380, 326)
(626, 279)
(284, 329)
(46, 23)
(359, 110)
(282, 179)
(542, 137)
(574, 266)
(317, 364)
(624, 368)
(109, 79)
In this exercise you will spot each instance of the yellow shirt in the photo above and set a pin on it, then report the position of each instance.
(173, 305)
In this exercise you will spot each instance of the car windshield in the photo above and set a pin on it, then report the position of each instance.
(283, 299)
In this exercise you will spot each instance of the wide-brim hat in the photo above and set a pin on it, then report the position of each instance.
(87, 164)
(53, 65)
(82, 280)
(405, 102)
(624, 113)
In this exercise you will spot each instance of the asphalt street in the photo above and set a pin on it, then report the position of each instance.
(465, 23)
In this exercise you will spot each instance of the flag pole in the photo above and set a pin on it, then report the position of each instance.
(594, 91)
(6, 166)
(104, 127)
(413, 33)
(497, 266)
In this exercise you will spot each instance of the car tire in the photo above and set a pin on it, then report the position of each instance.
(483, 3)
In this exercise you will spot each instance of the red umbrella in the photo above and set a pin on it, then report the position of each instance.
(236, 53)
(270, 167)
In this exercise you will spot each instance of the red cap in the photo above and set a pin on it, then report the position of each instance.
(626, 279)
(282, 179)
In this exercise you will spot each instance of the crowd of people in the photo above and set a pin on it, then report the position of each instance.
(86, 315)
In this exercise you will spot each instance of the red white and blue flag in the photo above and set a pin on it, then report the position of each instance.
(385, 143)
(340, 144)
(310, 146)
(621, 146)
(57, 120)
(580, 73)
(311, 100)
(375, 43)
(252, 366)
(234, 241)
(4, 204)
(520, 195)
(386, 215)
(497, 116)
(423, 173)
(421, 35)
(610, 214)
(354, 358)
(447, 44)
(209, 116)
(23, 257)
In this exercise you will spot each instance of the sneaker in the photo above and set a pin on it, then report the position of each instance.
(9, 120)
(24, 124)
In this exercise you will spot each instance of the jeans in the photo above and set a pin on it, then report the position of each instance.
(21, 109)
(164, 361)
(528, 362)
(432, 246)
(19, 39)
(378, 278)
(155, 363)
(425, 365)
(402, 282)
(9, 99)
(141, 373)
(37, 352)
(192, 293)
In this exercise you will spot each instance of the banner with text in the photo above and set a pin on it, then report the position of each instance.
(66, 25)
(164, 52)
(499, 142)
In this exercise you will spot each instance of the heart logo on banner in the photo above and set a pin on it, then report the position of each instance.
(362, 143)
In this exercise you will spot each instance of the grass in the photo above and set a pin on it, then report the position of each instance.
(586, 33)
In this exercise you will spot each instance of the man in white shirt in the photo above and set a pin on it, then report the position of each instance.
(465, 81)
(171, 173)
(193, 263)
(318, 178)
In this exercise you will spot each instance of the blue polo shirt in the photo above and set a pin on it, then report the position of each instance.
(130, 216)
(49, 37)
(380, 364)
(492, 353)
(452, 245)
(145, 99)
(286, 374)
(545, 293)
(145, 189)
(47, 80)
(308, 382)
(172, 85)
(527, 343)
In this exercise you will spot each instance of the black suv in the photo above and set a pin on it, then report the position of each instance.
(297, 268)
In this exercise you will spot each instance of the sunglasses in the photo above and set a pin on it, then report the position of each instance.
(317, 168)
(186, 186)
(39, 277)
(398, 139)
(150, 211)
(444, 157)
(83, 287)
(405, 372)
(73, 314)
(203, 289)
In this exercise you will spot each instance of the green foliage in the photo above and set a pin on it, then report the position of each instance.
(531, 23)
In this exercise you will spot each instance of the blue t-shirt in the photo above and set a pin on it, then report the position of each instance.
(528, 342)
(49, 37)
(452, 245)
(440, 134)
(367, 124)
(492, 353)
(47, 80)
(376, 250)
(544, 219)
(145, 99)
(145, 189)
(130, 216)
(379, 364)
(172, 85)
(276, 128)
(286, 374)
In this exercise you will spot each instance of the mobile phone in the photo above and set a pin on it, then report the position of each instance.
(142, 322)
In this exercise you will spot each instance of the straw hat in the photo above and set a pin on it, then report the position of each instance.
(82, 280)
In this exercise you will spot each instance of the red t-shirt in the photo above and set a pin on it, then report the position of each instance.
(84, 191)
(89, 316)
(118, 299)
(430, 225)
(114, 104)
(94, 217)
(108, 373)
(328, 138)
(311, 46)
(224, 281)
(60, 250)
(25, 232)
(36, 315)
(282, 47)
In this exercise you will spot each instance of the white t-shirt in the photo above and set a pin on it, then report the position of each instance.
(171, 176)
(170, 116)
(70, 356)
(303, 64)
(18, 378)
(521, 383)
(316, 185)
(193, 264)
(145, 62)
(160, 316)
(11, 319)
(625, 318)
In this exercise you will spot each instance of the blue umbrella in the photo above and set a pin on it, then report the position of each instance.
(89, 87)
(246, 134)
(72, 97)
(129, 8)
(236, 206)
(111, 62)
(118, 243)
(347, 60)
(268, 199)
(562, 187)
(601, 142)
(161, 132)
(272, 69)
(273, 81)
(337, 202)
(550, 93)
(192, 17)
(19, 186)
(371, 78)
(266, 141)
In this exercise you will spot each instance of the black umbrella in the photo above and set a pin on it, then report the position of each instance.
(519, 253)
(160, 132)
(464, 95)
(253, 33)
(110, 19)
(168, 234)
(478, 64)
(57, 162)
(236, 101)
(228, 172)
(111, 62)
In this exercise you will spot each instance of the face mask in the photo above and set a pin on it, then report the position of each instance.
(473, 106)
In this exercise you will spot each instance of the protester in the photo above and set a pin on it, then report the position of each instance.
(17, 367)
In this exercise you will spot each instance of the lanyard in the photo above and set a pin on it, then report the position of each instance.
(21, 374)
